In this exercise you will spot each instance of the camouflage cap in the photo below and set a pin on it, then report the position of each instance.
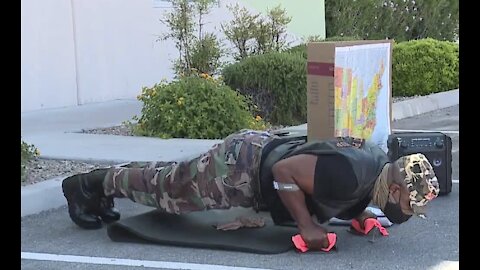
(421, 181)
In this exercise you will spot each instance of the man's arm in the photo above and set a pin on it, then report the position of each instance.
(363, 216)
(300, 170)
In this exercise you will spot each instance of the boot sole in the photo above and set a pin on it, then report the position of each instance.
(69, 196)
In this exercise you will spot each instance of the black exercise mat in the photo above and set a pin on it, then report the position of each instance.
(197, 230)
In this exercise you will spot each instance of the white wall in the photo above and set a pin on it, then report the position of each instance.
(47, 55)
(81, 51)
(117, 52)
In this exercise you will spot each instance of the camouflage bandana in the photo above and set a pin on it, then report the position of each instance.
(421, 181)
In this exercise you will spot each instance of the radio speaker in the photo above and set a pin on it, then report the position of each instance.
(437, 148)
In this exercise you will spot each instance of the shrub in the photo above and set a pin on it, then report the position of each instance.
(400, 20)
(194, 107)
(302, 48)
(206, 53)
(298, 49)
(197, 51)
(276, 82)
(29, 151)
(254, 34)
(421, 67)
(342, 38)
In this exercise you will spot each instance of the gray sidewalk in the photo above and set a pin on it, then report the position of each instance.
(52, 131)
(55, 133)
(75, 118)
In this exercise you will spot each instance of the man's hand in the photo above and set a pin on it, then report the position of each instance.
(315, 237)
(363, 216)
(300, 170)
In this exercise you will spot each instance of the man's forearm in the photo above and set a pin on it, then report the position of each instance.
(363, 216)
(294, 201)
(299, 170)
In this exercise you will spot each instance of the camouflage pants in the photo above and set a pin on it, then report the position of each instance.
(225, 176)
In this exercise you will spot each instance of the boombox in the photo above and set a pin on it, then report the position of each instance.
(437, 148)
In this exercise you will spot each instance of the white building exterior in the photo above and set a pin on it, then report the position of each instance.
(75, 52)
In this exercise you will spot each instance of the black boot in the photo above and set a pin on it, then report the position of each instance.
(87, 203)
(108, 212)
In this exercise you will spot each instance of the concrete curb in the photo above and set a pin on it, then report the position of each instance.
(48, 194)
(414, 106)
(106, 162)
(420, 105)
(42, 196)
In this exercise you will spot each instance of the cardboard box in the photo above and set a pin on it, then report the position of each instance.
(349, 90)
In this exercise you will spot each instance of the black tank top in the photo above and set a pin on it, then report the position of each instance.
(335, 180)
(334, 177)
(343, 181)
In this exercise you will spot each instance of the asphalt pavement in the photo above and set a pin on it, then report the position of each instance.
(50, 238)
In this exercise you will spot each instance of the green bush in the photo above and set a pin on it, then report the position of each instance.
(422, 67)
(194, 107)
(198, 50)
(206, 53)
(298, 49)
(401, 20)
(419, 67)
(29, 151)
(276, 82)
(342, 38)
(254, 34)
(302, 48)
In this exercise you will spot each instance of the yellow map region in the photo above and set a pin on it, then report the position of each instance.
(355, 110)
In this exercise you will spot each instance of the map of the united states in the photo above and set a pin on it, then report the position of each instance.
(355, 106)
